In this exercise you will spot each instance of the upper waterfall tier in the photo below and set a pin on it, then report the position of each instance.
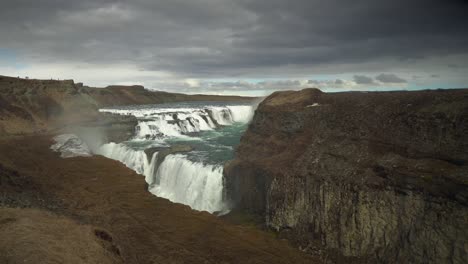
(163, 122)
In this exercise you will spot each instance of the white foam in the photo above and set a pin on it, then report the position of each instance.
(70, 145)
(157, 123)
(133, 159)
(194, 184)
(241, 113)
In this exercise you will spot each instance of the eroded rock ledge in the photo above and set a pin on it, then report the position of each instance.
(379, 176)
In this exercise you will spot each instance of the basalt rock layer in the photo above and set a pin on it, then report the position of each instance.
(375, 177)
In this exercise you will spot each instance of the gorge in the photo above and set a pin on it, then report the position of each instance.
(190, 173)
(353, 177)
(234, 132)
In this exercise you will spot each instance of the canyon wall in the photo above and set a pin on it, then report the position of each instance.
(374, 177)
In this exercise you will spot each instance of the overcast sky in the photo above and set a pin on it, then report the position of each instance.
(249, 47)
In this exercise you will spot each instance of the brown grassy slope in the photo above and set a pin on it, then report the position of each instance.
(36, 236)
(145, 229)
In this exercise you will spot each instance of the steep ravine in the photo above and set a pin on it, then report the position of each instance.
(375, 177)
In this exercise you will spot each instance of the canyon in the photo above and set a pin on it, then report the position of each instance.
(56, 207)
(350, 177)
(370, 176)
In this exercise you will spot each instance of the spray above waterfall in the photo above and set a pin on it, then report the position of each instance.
(192, 177)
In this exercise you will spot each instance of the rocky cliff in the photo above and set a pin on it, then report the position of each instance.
(36, 106)
(375, 177)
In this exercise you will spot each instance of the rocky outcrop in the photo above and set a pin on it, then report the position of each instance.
(375, 177)
(163, 152)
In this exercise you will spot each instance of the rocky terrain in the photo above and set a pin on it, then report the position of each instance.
(355, 177)
(96, 210)
(370, 177)
(93, 209)
(37, 106)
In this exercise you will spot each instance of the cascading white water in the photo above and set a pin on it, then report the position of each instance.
(186, 182)
(134, 159)
(178, 178)
(221, 115)
(177, 122)
(241, 113)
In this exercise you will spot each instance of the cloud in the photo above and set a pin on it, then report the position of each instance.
(361, 79)
(264, 87)
(105, 17)
(339, 82)
(192, 82)
(239, 39)
(389, 78)
(95, 75)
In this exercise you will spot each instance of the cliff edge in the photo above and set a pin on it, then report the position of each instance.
(373, 177)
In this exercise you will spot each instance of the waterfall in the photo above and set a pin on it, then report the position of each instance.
(222, 116)
(241, 113)
(157, 129)
(177, 122)
(177, 178)
(133, 159)
(194, 184)
(150, 169)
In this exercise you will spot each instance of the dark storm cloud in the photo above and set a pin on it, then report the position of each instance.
(361, 79)
(389, 78)
(222, 38)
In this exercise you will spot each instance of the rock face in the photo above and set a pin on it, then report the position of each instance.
(163, 152)
(378, 177)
